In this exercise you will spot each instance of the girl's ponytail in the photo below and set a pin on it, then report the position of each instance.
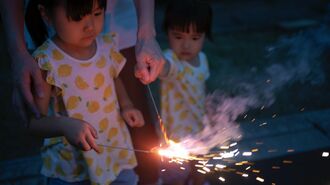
(34, 23)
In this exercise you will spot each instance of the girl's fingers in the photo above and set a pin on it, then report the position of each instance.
(93, 131)
(19, 105)
(84, 145)
(91, 142)
(129, 119)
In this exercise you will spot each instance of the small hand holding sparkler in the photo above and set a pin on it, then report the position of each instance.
(133, 117)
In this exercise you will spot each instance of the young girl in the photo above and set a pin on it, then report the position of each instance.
(187, 23)
(85, 100)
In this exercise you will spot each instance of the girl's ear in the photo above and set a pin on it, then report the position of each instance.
(44, 14)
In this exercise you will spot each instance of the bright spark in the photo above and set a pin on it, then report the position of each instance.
(222, 179)
(325, 154)
(247, 153)
(260, 179)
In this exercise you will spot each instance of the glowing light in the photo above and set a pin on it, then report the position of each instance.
(227, 154)
(245, 175)
(224, 147)
(287, 161)
(260, 179)
(290, 150)
(325, 154)
(222, 179)
(247, 153)
(201, 171)
(206, 169)
(220, 166)
(255, 150)
(233, 144)
(174, 150)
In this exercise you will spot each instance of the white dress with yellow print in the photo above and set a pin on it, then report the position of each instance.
(183, 96)
(88, 93)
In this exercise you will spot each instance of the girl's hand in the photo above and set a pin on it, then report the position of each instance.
(133, 117)
(81, 134)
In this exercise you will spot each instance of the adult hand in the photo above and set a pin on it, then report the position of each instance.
(27, 79)
(150, 60)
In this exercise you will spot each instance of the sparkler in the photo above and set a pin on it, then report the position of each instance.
(161, 124)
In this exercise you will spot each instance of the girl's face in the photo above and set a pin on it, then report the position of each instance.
(186, 45)
(80, 33)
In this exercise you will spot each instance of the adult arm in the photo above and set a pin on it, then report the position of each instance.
(24, 68)
(150, 60)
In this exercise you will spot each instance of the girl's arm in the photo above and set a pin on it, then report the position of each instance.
(77, 132)
(131, 115)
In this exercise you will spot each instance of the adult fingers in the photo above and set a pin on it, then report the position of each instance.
(37, 82)
(25, 90)
(141, 72)
(155, 68)
(18, 103)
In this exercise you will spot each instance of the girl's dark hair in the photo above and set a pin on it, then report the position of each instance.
(75, 10)
(180, 14)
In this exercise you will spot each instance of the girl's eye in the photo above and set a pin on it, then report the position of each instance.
(178, 37)
(98, 13)
(196, 38)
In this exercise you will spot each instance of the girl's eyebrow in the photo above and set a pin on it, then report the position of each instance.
(97, 8)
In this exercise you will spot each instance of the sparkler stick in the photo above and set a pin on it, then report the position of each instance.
(130, 149)
(161, 124)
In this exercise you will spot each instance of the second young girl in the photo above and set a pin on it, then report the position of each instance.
(85, 103)
(187, 24)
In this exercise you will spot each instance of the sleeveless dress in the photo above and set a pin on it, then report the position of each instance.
(183, 96)
(88, 93)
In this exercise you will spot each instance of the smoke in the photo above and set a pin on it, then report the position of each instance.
(292, 59)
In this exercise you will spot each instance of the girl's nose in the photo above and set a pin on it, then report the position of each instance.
(185, 44)
(89, 24)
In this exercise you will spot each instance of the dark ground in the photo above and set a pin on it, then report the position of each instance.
(307, 168)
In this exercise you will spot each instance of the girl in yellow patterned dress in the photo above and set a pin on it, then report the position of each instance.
(87, 141)
(187, 23)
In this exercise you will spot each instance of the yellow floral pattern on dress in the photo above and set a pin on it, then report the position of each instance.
(183, 96)
(87, 89)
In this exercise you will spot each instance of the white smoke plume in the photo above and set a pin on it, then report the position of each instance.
(292, 59)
